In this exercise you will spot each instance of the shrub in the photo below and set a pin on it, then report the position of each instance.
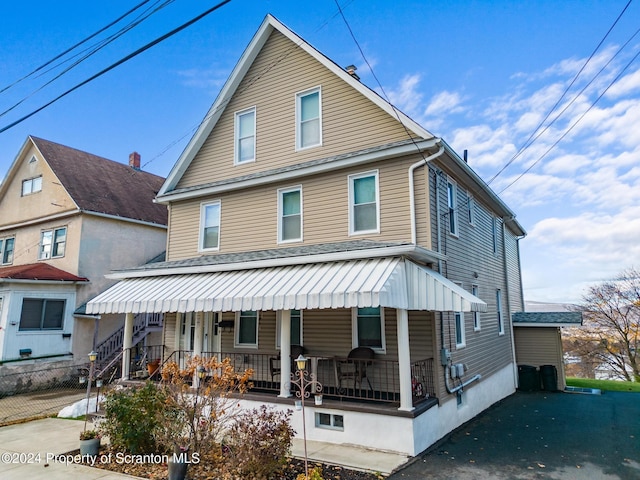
(314, 474)
(133, 418)
(259, 442)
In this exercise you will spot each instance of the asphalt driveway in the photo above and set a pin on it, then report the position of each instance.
(541, 435)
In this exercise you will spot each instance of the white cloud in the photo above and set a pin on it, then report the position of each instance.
(443, 103)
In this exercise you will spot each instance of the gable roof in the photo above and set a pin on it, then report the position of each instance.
(38, 272)
(270, 24)
(99, 185)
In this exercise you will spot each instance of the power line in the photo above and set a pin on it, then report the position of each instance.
(118, 63)
(92, 50)
(73, 47)
(531, 138)
(574, 123)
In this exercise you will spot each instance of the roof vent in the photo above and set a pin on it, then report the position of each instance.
(351, 70)
(134, 160)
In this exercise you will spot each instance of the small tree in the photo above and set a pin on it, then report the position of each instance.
(611, 331)
(196, 419)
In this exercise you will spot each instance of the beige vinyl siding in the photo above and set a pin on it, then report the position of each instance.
(249, 217)
(538, 346)
(350, 121)
(169, 333)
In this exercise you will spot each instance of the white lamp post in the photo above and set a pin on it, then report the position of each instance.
(92, 360)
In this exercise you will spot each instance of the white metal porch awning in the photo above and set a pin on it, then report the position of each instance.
(387, 282)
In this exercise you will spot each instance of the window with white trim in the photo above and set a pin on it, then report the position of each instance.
(471, 210)
(308, 119)
(53, 243)
(459, 326)
(245, 135)
(246, 330)
(452, 204)
(494, 234)
(296, 328)
(7, 246)
(331, 421)
(41, 314)
(476, 315)
(290, 215)
(364, 203)
(31, 185)
(499, 312)
(368, 328)
(210, 226)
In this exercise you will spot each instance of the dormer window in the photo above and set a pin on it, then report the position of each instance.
(31, 185)
(308, 119)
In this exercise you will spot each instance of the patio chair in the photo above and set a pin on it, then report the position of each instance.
(274, 362)
(354, 367)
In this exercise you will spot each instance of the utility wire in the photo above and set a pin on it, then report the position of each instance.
(574, 123)
(531, 138)
(60, 55)
(118, 63)
(92, 50)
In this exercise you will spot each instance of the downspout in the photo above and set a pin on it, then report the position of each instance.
(412, 200)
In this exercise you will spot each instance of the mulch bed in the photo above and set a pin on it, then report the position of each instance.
(204, 470)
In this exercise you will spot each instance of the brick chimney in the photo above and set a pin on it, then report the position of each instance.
(134, 160)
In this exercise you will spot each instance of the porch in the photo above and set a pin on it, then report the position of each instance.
(367, 382)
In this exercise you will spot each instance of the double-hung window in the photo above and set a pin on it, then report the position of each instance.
(31, 185)
(368, 328)
(290, 215)
(246, 331)
(499, 312)
(42, 314)
(308, 119)
(245, 135)
(210, 226)
(296, 328)
(476, 315)
(53, 243)
(7, 246)
(459, 321)
(452, 205)
(364, 203)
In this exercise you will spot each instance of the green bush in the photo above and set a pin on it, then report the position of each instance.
(132, 418)
(259, 442)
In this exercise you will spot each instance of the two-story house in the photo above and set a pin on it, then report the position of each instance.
(67, 217)
(308, 215)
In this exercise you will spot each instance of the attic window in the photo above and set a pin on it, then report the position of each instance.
(308, 119)
(33, 159)
(31, 185)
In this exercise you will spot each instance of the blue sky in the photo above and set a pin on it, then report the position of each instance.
(481, 74)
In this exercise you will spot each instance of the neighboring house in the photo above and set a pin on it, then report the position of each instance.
(307, 211)
(67, 217)
(538, 337)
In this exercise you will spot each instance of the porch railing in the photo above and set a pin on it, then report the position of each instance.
(375, 381)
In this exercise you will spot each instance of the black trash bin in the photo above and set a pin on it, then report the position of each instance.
(528, 378)
(549, 375)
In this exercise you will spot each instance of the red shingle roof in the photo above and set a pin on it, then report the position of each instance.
(100, 185)
(38, 271)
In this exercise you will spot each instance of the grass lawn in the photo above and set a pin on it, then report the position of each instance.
(611, 385)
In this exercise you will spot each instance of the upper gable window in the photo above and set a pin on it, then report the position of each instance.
(308, 119)
(452, 204)
(210, 226)
(31, 185)
(53, 243)
(364, 211)
(6, 250)
(290, 215)
(245, 135)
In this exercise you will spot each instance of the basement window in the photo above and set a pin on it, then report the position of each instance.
(329, 421)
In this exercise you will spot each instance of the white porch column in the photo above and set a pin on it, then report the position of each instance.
(285, 352)
(198, 335)
(404, 360)
(127, 343)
